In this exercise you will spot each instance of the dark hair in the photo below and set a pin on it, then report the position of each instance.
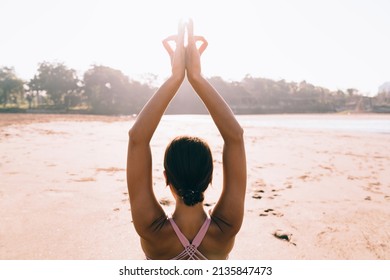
(188, 165)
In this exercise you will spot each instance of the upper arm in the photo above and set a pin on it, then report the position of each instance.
(145, 208)
(229, 210)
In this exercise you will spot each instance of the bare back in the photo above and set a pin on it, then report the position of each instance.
(213, 245)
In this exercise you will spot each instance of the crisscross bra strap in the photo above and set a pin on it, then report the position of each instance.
(202, 232)
(199, 236)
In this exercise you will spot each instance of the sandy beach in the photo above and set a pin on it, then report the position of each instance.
(311, 193)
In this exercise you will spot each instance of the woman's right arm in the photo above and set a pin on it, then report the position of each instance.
(229, 211)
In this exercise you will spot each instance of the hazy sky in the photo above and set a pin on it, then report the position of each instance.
(335, 44)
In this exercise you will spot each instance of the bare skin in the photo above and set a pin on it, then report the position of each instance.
(158, 239)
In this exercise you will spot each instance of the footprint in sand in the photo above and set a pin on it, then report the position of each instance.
(259, 167)
(259, 183)
(278, 214)
(374, 187)
(303, 177)
(257, 196)
(272, 212)
(208, 204)
(309, 177)
(280, 234)
(258, 190)
(165, 202)
(125, 200)
(266, 211)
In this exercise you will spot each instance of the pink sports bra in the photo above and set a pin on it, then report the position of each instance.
(190, 251)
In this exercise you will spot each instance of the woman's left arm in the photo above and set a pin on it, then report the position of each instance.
(145, 209)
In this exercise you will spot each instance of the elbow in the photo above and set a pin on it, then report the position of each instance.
(236, 135)
(130, 134)
(239, 134)
(134, 137)
(138, 136)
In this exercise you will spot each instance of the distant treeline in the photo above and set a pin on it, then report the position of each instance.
(104, 90)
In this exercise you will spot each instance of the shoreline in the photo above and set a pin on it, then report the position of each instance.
(13, 118)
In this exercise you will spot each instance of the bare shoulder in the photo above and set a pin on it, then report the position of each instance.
(219, 240)
(160, 242)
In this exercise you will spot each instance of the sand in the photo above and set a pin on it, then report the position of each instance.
(311, 193)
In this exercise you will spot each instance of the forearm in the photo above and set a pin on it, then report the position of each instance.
(219, 110)
(150, 116)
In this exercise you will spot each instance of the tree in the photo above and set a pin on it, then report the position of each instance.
(11, 87)
(57, 81)
(352, 91)
(109, 91)
(34, 85)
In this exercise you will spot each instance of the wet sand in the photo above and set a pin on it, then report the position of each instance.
(311, 194)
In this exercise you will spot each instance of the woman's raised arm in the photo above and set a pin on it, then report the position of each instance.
(145, 208)
(229, 211)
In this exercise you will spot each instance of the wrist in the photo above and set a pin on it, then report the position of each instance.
(194, 78)
(178, 78)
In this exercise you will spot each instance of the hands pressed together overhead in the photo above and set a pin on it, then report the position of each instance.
(145, 209)
(185, 57)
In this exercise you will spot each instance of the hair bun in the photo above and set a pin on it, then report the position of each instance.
(191, 197)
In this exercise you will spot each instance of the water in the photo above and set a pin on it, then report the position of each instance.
(369, 123)
(350, 123)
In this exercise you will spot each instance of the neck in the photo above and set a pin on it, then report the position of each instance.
(189, 213)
